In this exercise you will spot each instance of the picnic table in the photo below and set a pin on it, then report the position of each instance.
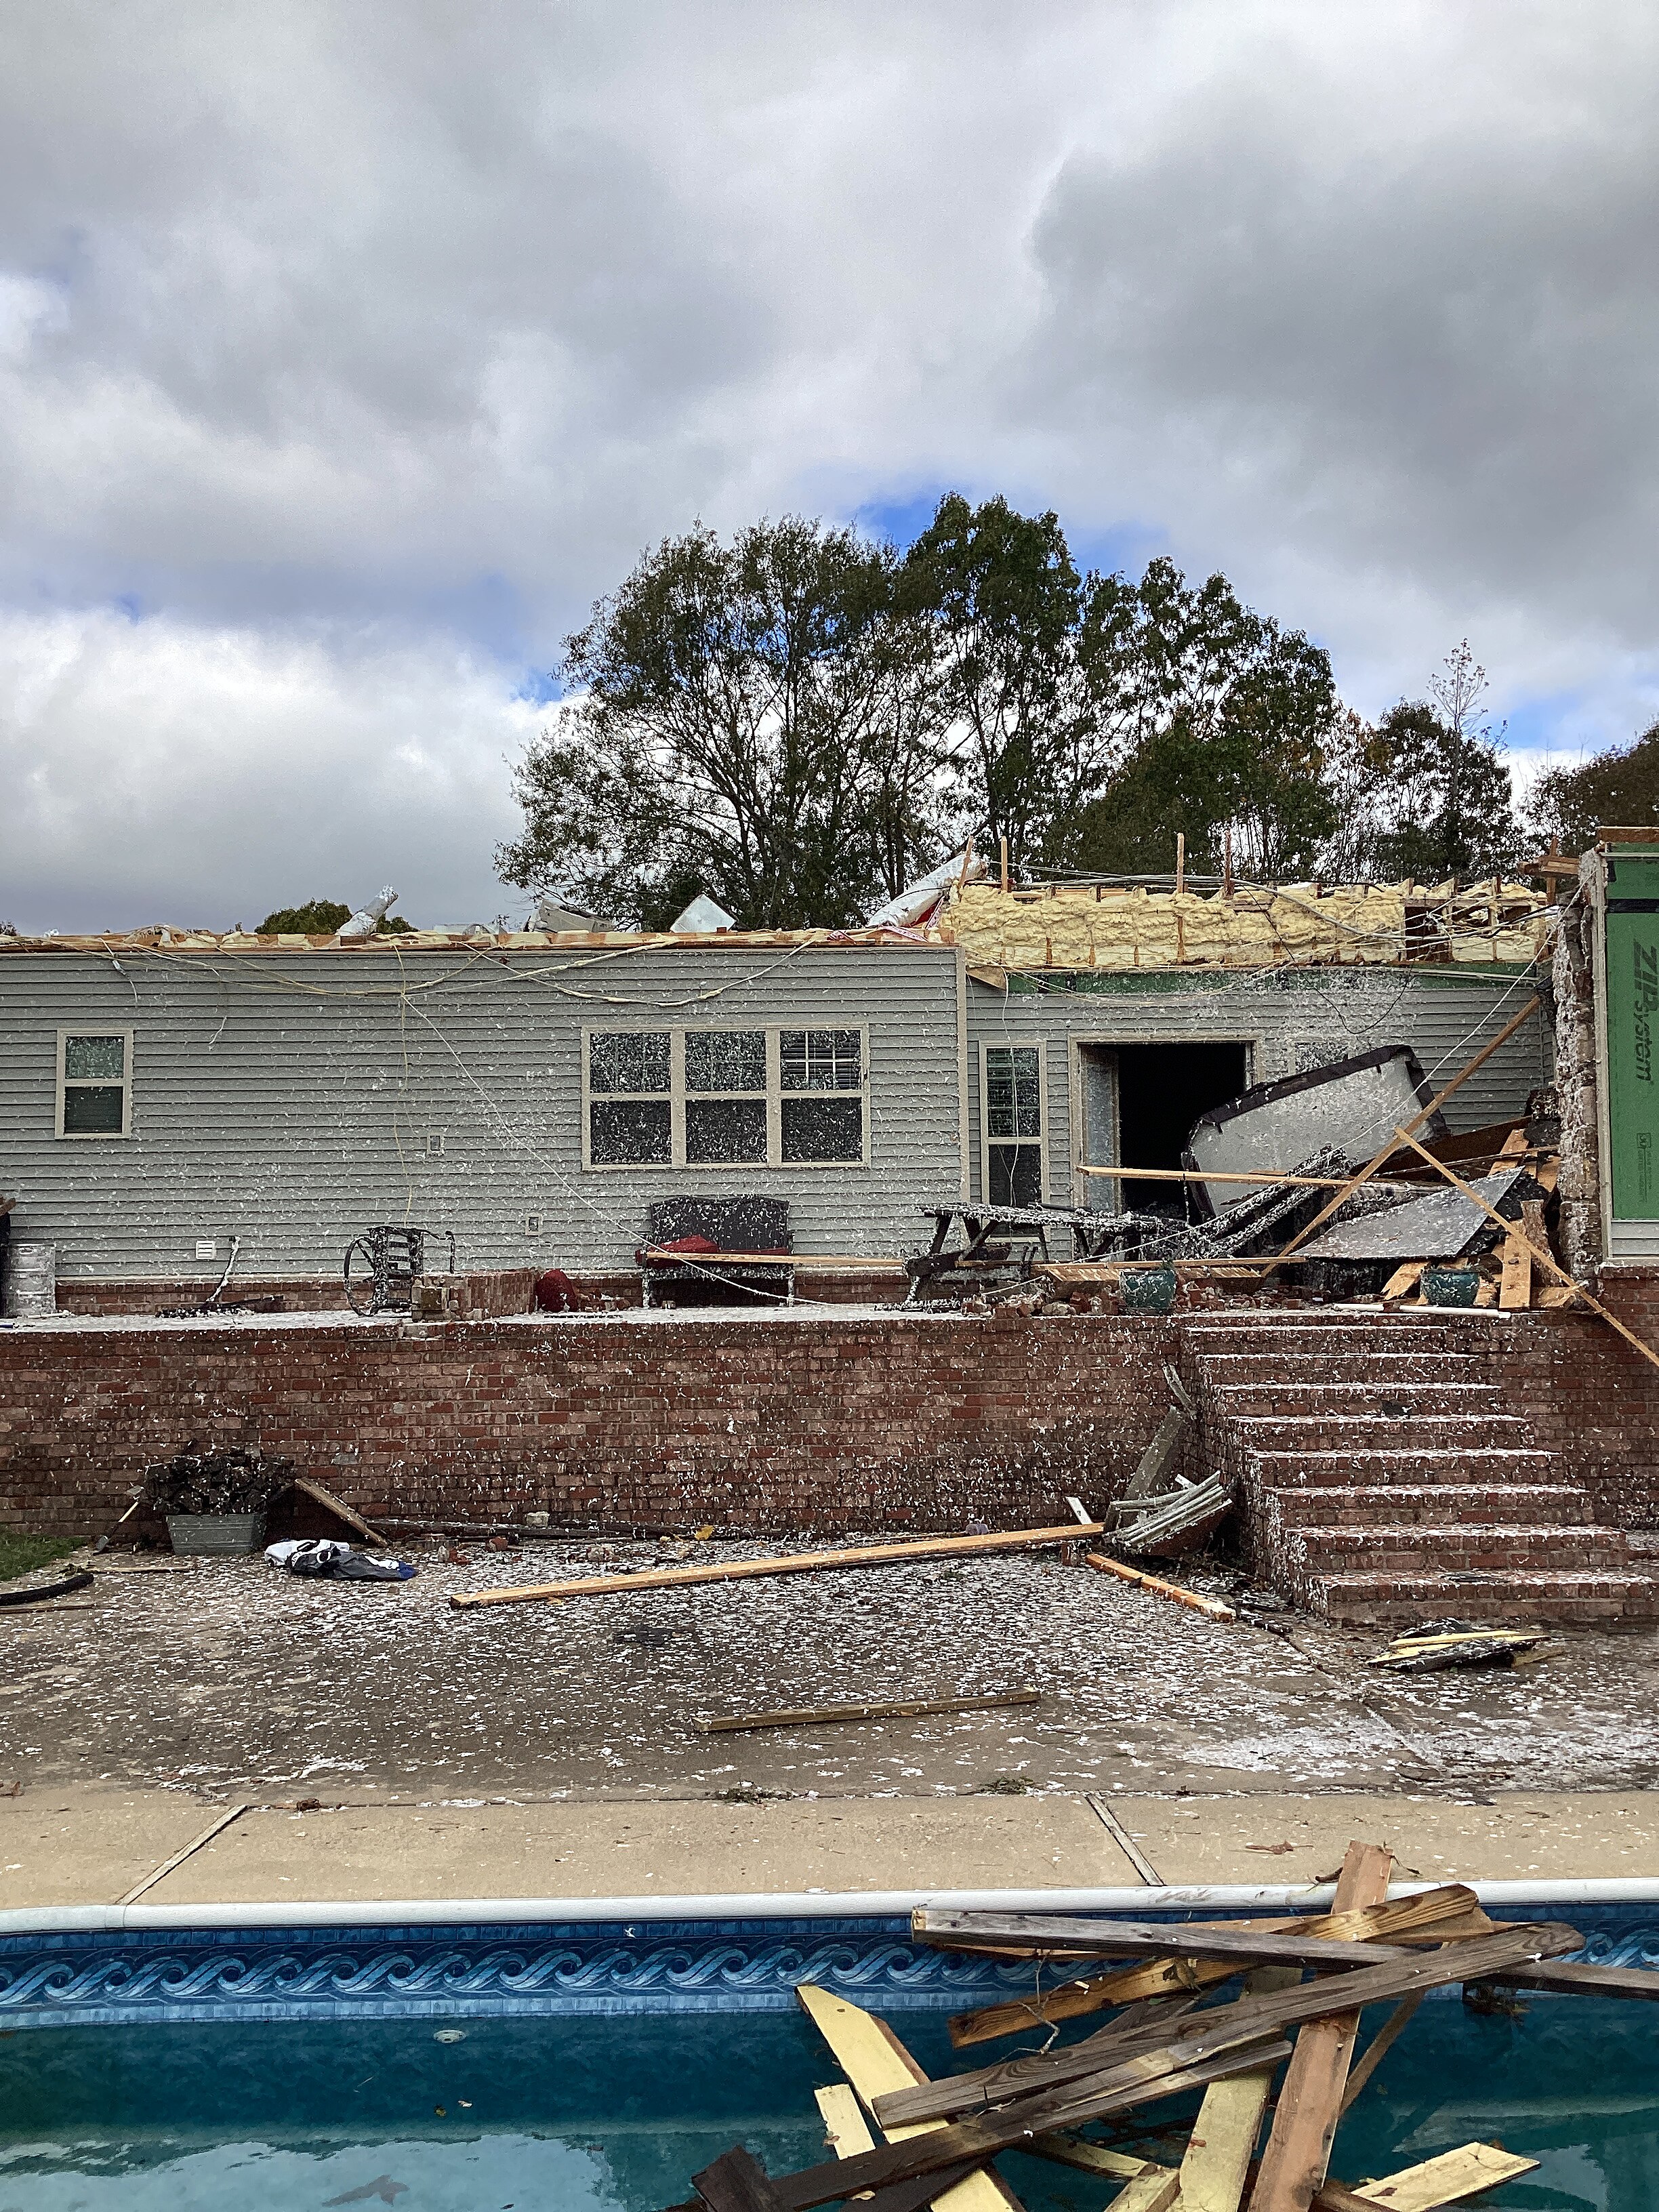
(1001, 1244)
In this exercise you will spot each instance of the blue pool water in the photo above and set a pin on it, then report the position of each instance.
(538, 2114)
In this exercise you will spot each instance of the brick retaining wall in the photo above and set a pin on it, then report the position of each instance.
(814, 1422)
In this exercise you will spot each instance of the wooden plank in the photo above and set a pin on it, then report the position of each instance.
(844, 2128)
(1094, 2158)
(790, 1563)
(319, 1494)
(874, 2061)
(1381, 2043)
(177, 1859)
(1515, 1289)
(1143, 2080)
(1403, 1281)
(895, 1709)
(1543, 1259)
(1057, 1933)
(1295, 2162)
(1448, 1914)
(1462, 1076)
(1158, 1455)
(1148, 2192)
(1444, 2180)
(1019, 2080)
(1586, 1981)
(1222, 2142)
(736, 2182)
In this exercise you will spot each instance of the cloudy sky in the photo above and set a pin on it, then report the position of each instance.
(350, 349)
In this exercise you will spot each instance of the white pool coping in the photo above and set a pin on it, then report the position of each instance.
(802, 1905)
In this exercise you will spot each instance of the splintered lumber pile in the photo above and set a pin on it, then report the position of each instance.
(902, 2141)
(787, 1563)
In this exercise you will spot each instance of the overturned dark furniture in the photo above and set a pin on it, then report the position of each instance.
(753, 1255)
(393, 1258)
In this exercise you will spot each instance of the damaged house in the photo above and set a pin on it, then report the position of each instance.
(535, 1093)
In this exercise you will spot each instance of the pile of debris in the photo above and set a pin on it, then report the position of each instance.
(902, 2140)
(228, 1481)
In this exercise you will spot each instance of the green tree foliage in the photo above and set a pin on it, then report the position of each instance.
(1007, 605)
(1443, 799)
(760, 719)
(1220, 721)
(800, 722)
(1620, 786)
(321, 918)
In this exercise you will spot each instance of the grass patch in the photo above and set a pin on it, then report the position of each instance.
(21, 1555)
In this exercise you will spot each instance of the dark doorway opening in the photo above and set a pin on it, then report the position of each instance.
(1161, 1088)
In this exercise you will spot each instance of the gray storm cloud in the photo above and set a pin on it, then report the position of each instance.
(346, 356)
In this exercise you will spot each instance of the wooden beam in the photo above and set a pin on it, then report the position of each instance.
(1024, 2081)
(896, 1709)
(1295, 2163)
(1436, 1911)
(1222, 2142)
(1052, 1934)
(1416, 1122)
(1444, 2180)
(874, 2060)
(1381, 2043)
(793, 1563)
(1542, 1259)
(1514, 1289)
(1212, 1607)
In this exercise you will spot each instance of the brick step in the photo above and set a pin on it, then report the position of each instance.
(1291, 1470)
(1407, 1369)
(1519, 1599)
(1524, 1504)
(1242, 1400)
(1362, 1426)
(1202, 1330)
(1410, 1547)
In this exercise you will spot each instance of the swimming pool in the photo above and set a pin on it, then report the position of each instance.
(501, 2059)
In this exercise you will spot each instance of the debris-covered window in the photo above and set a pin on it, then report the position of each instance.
(819, 1060)
(630, 1106)
(726, 1098)
(94, 1089)
(1012, 1107)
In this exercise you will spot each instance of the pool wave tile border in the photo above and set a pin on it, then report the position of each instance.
(89, 1978)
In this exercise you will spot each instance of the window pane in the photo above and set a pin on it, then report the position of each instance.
(725, 1129)
(88, 1059)
(627, 1060)
(1016, 1175)
(93, 1109)
(1013, 1094)
(623, 1133)
(725, 1059)
(823, 1129)
(820, 1060)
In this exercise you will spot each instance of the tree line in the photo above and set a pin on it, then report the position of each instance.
(801, 720)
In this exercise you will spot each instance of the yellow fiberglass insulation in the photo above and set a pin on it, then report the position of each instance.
(1074, 927)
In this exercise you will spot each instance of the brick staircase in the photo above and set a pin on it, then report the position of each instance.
(1384, 1480)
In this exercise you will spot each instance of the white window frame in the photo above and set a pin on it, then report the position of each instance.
(987, 1046)
(775, 1095)
(66, 1084)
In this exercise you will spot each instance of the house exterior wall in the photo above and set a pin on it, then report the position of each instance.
(292, 1100)
(1290, 1019)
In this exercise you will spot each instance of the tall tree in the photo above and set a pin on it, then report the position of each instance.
(1620, 785)
(1445, 794)
(1008, 600)
(758, 718)
(1219, 721)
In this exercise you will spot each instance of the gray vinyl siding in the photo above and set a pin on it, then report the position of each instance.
(1288, 1020)
(289, 1100)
